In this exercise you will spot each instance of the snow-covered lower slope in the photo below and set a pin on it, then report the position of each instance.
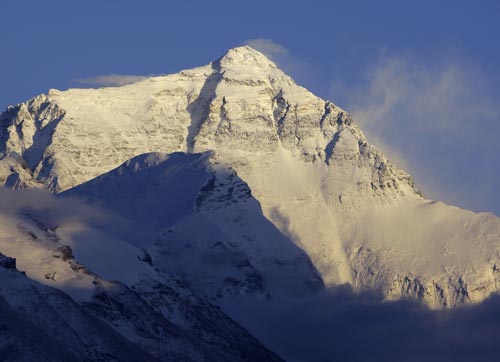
(313, 172)
(55, 244)
(206, 225)
(424, 249)
(96, 297)
(40, 323)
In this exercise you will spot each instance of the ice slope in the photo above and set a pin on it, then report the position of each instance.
(308, 164)
(207, 227)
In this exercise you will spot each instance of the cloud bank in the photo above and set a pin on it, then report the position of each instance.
(56, 210)
(111, 80)
(340, 325)
(439, 122)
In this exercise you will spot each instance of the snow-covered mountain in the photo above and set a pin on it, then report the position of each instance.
(308, 164)
(115, 306)
(220, 181)
(204, 224)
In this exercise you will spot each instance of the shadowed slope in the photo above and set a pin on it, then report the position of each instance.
(207, 225)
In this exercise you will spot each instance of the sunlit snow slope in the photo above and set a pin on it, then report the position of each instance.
(317, 179)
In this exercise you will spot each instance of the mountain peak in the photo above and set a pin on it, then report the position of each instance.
(245, 56)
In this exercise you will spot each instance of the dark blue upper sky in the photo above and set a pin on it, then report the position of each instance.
(423, 76)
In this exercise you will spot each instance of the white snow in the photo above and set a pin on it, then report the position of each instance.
(34, 228)
(34, 255)
(205, 225)
(104, 254)
(306, 162)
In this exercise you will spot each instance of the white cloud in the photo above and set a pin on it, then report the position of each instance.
(111, 80)
(268, 47)
(439, 121)
(445, 99)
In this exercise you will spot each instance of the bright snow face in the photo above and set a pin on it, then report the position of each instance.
(309, 166)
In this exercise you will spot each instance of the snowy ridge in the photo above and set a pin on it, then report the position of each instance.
(15, 174)
(116, 306)
(37, 308)
(205, 225)
(306, 162)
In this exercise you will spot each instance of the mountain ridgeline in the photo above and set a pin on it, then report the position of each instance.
(178, 193)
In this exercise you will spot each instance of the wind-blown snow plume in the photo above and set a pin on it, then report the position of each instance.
(268, 47)
(282, 56)
(441, 120)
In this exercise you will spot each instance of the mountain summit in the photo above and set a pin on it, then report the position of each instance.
(246, 56)
(315, 176)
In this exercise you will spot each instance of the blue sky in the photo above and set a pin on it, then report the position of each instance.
(422, 78)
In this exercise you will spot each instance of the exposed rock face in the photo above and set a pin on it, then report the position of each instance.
(15, 173)
(304, 159)
(6, 262)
